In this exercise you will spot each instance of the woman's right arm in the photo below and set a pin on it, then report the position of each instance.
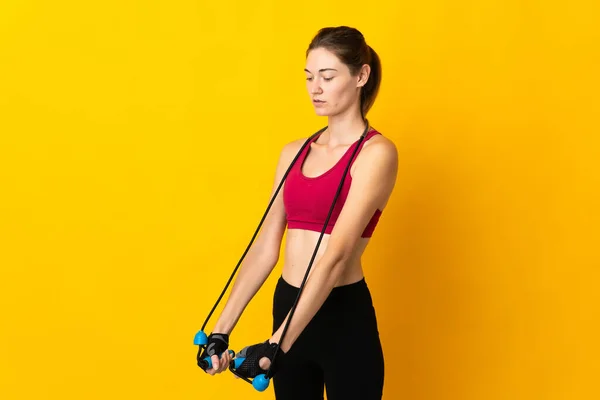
(264, 252)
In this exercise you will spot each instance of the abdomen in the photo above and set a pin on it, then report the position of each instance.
(299, 247)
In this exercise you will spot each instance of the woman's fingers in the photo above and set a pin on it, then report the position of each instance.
(225, 359)
(215, 362)
(264, 363)
(219, 365)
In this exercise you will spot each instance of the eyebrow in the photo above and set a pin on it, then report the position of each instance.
(321, 70)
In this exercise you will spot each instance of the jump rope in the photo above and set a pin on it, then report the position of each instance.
(261, 381)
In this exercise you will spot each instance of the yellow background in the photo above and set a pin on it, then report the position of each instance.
(137, 153)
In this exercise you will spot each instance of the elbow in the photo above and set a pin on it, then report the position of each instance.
(338, 256)
(268, 254)
(267, 248)
(271, 257)
(335, 263)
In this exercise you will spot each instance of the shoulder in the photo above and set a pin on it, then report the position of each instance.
(290, 149)
(380, 143)
(294, 146)
(379, 151)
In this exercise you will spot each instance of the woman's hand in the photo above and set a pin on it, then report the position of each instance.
(217, 349)
(219, 365)
(257, 359)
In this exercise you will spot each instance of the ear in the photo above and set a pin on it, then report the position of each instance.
(363, 75)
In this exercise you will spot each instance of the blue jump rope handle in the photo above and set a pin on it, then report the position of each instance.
(202, 340)
(260, 382)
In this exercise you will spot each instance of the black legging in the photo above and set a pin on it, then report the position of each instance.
(339, 349)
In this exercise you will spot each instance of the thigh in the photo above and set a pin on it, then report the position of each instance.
(299, 380)
(357, 373)
(298, 377)
(354, 366)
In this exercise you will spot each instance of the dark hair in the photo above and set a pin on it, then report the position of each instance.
(349, 45)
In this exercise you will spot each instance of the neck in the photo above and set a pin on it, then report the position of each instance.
(345, 128)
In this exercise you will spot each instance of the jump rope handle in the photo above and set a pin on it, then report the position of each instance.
(201, 340)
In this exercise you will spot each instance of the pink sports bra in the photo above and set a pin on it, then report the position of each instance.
(307, 200)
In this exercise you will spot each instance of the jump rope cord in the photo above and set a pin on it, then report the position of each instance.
(259, 225)
(293, 309)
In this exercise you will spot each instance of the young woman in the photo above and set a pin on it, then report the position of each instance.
(332, 342)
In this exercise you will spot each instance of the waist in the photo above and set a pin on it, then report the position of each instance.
(347, 294)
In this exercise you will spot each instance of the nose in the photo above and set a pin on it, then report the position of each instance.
(314, 87)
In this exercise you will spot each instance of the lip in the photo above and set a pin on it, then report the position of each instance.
(318, 102)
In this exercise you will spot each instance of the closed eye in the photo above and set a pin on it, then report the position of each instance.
(325, 79)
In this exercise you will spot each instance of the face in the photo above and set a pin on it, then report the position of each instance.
(331, 86)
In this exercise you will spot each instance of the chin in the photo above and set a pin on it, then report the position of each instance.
(322, 113)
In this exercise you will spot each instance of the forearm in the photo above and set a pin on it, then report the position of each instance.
(322, 279)
(252, 274)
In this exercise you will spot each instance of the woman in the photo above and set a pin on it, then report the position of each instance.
(332, 340)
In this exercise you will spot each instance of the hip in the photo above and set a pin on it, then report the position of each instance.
(348, 310)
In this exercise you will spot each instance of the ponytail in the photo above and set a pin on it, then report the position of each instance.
(371, 89)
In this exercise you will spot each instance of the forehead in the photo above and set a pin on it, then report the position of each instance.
(321, 58)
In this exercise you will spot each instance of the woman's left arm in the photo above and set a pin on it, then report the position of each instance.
(372, 184)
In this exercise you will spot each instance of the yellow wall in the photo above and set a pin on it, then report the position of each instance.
(138, 146)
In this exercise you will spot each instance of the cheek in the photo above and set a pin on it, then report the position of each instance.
(341, 92)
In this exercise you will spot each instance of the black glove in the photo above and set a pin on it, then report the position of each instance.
(250, 368)
(217, 344)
